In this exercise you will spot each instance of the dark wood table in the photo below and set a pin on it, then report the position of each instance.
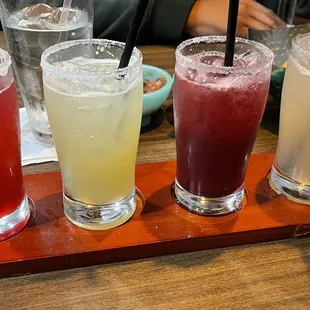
(264, 276)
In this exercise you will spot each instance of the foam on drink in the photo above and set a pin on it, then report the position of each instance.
(203, 76)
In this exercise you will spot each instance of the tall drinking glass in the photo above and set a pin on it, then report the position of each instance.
(14, 208)
(95, 114)
(217, 113)
(30, 27)
(290, 174)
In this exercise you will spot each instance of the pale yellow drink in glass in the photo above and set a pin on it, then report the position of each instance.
(293, 152)
(102, 171)
(290, 174)
(95, 119)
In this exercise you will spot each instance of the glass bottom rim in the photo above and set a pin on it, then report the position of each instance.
(16, 221)
(102, 217)
(209, 206)
(289, 188)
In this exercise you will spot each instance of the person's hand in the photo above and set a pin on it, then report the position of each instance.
(209, 17)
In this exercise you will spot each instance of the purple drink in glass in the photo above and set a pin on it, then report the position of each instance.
(218, 111)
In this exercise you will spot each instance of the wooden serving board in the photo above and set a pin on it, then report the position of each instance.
(51, 242)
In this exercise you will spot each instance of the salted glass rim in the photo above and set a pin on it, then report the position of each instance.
(5, 62)
(266, 54)
(53, 69)
(297, 44)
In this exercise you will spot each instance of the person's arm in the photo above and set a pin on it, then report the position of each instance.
(209, 17)
(173, 19)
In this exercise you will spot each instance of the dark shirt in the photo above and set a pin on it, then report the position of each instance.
(302, 9)
(165, 19)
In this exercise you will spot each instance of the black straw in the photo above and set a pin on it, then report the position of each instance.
(231, 32)
(133, 33)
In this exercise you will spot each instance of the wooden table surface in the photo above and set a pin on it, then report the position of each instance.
(265, 276)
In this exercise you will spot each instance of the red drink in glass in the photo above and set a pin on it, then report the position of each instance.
(14, 209)
(218, 111)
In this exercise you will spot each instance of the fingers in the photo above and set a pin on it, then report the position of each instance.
(264, 16)
(256, 16)
(253, 23)
(246, 22)
(261, 18)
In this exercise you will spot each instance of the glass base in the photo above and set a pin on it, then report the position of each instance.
(101, 217)
(45, 137)
(289, 188)
(13, 223)
(210, 206)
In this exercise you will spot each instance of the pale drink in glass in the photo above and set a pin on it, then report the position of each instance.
(95, 115)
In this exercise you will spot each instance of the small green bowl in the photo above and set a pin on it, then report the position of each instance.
(153, 101)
